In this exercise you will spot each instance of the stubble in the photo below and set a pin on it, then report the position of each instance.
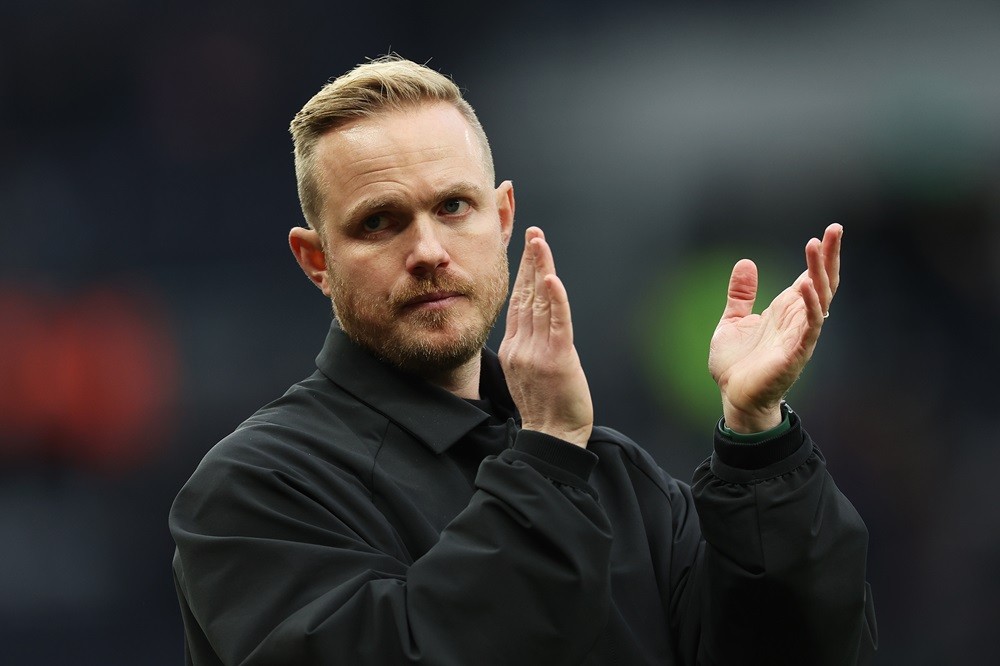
(426, 342)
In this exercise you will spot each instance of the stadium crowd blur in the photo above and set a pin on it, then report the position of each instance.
(148, 301)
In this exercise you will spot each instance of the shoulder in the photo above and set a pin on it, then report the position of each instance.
(313, 440)
(313, 421)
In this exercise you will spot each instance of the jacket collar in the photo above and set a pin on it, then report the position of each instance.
(433, 415)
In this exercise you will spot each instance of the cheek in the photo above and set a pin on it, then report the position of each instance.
(361, 272)
(486, 251)
(483, 239)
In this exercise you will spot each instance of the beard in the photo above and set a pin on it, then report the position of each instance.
(423, 342)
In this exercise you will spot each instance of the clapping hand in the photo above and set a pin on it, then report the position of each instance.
(539, 360)
(755, 359)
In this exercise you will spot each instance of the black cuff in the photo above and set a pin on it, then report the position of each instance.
(554, 458)
(757, 456)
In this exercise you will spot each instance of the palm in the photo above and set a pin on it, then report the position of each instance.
(755, 359)
(760, 356)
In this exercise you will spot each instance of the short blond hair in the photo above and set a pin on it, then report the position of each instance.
(386, 84)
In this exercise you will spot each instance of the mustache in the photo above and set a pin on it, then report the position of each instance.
(422, 288)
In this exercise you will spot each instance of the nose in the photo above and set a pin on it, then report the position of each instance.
(427, 251)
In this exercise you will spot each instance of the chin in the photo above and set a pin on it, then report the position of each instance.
(445, 340)
(430, 358)
(425, 348)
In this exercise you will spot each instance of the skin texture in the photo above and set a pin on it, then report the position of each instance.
(413, 257)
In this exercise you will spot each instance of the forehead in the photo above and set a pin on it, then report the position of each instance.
(428, 146)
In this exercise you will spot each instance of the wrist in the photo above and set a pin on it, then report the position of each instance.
(576, 436)
(749, 422)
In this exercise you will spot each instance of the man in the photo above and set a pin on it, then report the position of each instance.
(418, 500)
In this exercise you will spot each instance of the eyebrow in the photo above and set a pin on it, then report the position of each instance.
(371, 205)
(366, 207)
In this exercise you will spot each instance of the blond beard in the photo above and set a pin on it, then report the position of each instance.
(401, 337)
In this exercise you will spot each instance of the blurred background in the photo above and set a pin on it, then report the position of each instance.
(149, 303)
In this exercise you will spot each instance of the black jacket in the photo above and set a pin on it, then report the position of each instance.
(368, 517)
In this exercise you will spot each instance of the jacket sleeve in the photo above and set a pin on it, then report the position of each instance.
(781, 573)
(268, 574)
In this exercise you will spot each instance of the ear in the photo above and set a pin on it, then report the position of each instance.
(505, 209)
(308, 251)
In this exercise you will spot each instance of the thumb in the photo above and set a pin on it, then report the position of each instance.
(742, 290)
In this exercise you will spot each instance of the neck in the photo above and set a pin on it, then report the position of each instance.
(463, 381)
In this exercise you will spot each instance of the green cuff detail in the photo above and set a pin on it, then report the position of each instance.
(758, 437)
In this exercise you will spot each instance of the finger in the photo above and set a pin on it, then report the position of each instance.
(542, 306)
(742, 290)
(816, 268)
(551, 308)
(814, 310)
(560, 321)
(831, 255)
(517, 296)
(809, 334)
(521, 295)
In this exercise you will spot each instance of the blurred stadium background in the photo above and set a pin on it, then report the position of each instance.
(149, 303)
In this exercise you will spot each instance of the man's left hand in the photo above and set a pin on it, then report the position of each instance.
(755, 359)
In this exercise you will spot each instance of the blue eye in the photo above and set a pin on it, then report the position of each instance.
(375, 223)
(454, 207)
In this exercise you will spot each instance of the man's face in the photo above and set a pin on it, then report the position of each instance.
(415, 236)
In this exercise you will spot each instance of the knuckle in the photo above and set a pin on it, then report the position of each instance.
(540, 306)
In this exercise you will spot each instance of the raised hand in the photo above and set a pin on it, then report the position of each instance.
(539, 360)
(755, 359)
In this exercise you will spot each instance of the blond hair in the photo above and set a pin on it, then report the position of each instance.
(386, 84)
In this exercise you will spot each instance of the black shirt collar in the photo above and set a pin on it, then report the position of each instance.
(433, 415)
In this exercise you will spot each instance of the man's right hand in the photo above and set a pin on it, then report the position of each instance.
(539, 360)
